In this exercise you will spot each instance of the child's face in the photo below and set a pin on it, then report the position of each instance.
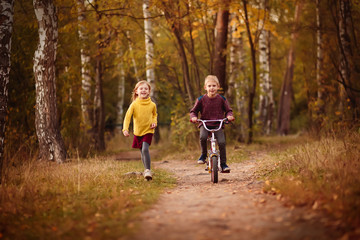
(143, 91)
(212, 88)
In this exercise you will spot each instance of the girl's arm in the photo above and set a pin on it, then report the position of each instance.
(154, 118)
(127, 120)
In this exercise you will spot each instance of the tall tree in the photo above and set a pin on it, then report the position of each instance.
(350, 88)
(51, 144)
(86, 105)
(173, 19)
(6, 26)
(149, 46)
(121, 93)
(219, 64)
(99, 109)
(266, 101)
(253, 63)
(283, 118)
(319, 60)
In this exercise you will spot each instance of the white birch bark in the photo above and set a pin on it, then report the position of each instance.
(264, 73)
(121, 96)
(319, 54)
(266, 99)
(149, 46)
(6, 26)
(85, 68)
(51, 145)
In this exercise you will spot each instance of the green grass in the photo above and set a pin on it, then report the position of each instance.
(88, 198)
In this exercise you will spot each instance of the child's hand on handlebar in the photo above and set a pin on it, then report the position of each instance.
(194, 119)
(231, 118)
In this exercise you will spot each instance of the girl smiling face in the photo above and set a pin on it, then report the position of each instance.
(212, 87)
(143, 91)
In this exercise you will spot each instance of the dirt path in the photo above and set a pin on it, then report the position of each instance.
(235, 208)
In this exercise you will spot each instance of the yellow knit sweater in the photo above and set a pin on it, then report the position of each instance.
(144, 114)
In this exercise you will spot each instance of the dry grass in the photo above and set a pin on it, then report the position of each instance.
(323, 174)
(87, 198)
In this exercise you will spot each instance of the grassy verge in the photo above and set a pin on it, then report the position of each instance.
(324, 175)
(90, 198)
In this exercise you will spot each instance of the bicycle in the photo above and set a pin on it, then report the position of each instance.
(213, 159)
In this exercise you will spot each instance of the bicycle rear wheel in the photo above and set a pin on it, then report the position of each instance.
(214, 170)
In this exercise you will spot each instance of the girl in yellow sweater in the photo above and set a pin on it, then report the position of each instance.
(144, 114)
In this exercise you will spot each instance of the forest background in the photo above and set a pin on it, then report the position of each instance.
(285, 67)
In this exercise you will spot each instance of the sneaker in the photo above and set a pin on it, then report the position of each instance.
(202, 159)
(147, 174)
(224, 168)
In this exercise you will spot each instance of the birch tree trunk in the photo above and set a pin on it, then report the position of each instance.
(149, 46)
(236, 89)
(99, 113)
(219, 64)
(51, 144)
(150, 67)
(253, 88)
(86, 105)
(121, 95)
(6, 26)
(264, 75)
(266, 100)
(319, 61)
(286, 89)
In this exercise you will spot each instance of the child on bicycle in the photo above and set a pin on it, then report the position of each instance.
(144, 114)
(212, 106)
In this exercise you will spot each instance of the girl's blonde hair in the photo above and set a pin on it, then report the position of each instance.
(212, 78)
(134, 95)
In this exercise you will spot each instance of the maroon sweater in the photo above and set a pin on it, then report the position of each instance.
(211, 108)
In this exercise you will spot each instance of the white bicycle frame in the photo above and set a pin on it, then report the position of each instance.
(213, 150)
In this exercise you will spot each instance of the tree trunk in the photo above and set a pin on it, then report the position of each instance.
(86, 105)
(347, 59)
(237, 87)
(149, 46)
(283, 127)
(219, 64)
(121, 95)
(319, 62)
(176, 30)
(6, 26)
(253, 88)
(99, 113)
(150, 67)
(51, 144)
(132, 56)
(266, 100)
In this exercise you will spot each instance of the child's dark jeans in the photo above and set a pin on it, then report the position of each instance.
(220, 137)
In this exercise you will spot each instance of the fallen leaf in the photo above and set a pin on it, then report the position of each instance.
(263, 200)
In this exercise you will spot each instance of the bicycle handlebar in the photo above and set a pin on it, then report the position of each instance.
(216, 120)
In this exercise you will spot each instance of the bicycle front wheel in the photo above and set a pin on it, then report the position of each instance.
(214, 170)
